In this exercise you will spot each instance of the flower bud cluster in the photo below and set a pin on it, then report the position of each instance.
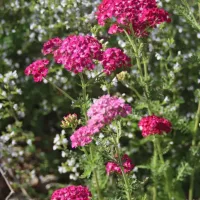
(70, 121)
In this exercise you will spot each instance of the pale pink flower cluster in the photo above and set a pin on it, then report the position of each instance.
(127, 165)
(72, 193)
(51, 45)
(136, 13)
(38, 69)
(114, 58)
(102, 112)
(151, 125)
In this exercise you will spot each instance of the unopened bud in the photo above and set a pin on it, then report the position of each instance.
(122, 75)
(70, 121)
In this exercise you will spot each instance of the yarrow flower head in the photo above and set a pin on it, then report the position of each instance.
(77, 53)
(70, 121)
(101, 113)
(38, 69)
(106, 109)
(139, 14)
(51, 45)
(81, 136)
(114, 58)
(114, 167)
(72, 193)
(153, 124)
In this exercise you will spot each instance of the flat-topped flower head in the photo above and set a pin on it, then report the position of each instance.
(107, 108)
(77, 53)
(153, 124)
(81, 136)
(51, 45)
(140, 14)
(114, 58)
(38, 69)
(72, 193)
(126, 163)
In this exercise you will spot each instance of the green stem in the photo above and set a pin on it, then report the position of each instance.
(60, 90)
(157, 144)
(126, 181)
(96, 177)
(134, 46)
(197, 119)
(84, 110)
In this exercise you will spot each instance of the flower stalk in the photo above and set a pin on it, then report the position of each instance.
(197, 119)
(84, 110)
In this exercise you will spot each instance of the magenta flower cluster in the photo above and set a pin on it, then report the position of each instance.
(151, 125)
(126, 163)
(38, 69)
(141, 15)
(51, 45)
(114, 58)
(72, 193)
(79, 53)
(102, 112)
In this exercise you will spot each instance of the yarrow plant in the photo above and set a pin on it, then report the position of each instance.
(100, 134)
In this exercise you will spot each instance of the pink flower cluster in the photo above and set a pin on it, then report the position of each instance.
(140, 14)
(38, 69)
(114, 167)
(101, 113)
(76, 53)
(51, 45)
(72, 193)
(153, 124)
(114, 58)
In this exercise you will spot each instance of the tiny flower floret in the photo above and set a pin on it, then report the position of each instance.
(72, 193)
(77, 53)
(51, 45)
(153, 124)
(38, 69)
(81, 136)
(136, 13)
(126, 163)
(114, 58)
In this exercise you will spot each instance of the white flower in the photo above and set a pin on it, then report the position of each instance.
(158, 56)
(62, 170)
(15, 106)
(29, 142)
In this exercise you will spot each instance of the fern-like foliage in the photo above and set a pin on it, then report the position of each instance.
(185, 11)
